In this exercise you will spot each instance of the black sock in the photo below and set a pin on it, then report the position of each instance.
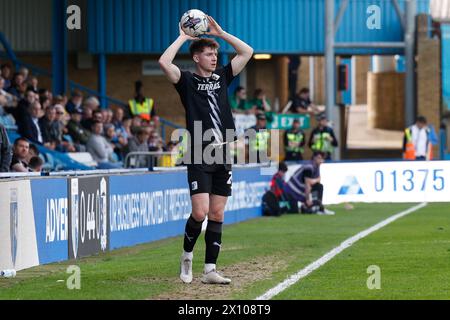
(191, 233)
(213, 239)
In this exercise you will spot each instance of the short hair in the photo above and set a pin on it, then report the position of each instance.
(421, 119)
(92, 100)
(76, 93)
(238, 89)
(318, 153)
(16, 142)
(304, 90)
(35, 162)
(197, 46)
(258, 91)
(282, 166)
(95, 122)
(34, 149)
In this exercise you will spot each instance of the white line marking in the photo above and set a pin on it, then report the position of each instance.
(331, 254)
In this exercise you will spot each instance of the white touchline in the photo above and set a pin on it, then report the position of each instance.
(331, 254)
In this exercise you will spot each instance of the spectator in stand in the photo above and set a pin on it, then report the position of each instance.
(136, 123)
(118, 142)
(239, 103)
(33, 84)
(100, 149)
(62, 120)
(117, 121)
(62, 100)
(322, 138)
(107, 116)
(155, 142)
(45, 93)
(20, 111)
(36, 164)
(139, 143)
(33, 151)
(96, 116)
(79, 134)
(45, 102)
(10, 100)
(29, 128)
(49, 129)
(86, 120)
(260, 101)
(25, 73)
(5, 71)
(5, 150)
(20, 152)
(92, 103)
(17, 86)
(303, 104)
(75, 101)
(127, 127)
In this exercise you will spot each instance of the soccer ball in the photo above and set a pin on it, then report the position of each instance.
(194, 23)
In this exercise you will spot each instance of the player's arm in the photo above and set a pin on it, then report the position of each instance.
(243, 50)
(172, 72)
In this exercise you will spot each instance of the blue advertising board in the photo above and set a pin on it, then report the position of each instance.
(150, 207)
(51, 218)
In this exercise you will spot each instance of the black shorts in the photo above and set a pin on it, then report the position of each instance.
(212, 179)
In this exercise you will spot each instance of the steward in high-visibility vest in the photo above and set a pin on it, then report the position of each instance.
(140, 105)
(143, 109)
(294, 141)
(260, 145)
(416, 141)
(323, 138)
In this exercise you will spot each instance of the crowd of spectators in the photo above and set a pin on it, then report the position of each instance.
(72, 124)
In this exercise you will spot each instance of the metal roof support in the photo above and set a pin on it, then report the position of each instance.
(102, 80)
(59, 45)
(410, 81)
(330, 68)
(399, 13)
(340, 15)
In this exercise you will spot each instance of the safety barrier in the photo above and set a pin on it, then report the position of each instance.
(76, 214)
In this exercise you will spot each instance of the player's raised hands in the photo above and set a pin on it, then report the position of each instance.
(184, 35)
(214, 28)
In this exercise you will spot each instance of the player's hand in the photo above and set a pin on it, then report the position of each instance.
(184, 35)
(214, 28)
(309, 203)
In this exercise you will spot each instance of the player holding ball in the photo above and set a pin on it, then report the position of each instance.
(205, 99)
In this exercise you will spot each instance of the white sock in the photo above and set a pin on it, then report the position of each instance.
(209, 267)
(188, 255)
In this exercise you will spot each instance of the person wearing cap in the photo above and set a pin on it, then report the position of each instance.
(260, 144)
(77, 132)
(141, 106)
(294, 141)
(323, 138)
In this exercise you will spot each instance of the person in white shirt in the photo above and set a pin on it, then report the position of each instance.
(416, 141)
